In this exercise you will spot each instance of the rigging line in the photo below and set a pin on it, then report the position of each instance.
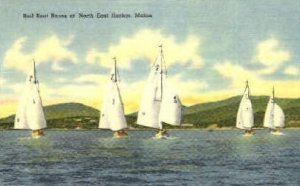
(118, 75)
(153, 63)
(163, 60)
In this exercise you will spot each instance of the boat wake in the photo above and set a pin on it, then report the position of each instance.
(24, 138)
(277, 133)
(164, 138)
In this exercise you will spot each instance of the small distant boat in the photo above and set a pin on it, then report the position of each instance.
(274, 116)
(160, 104)
(245, 119)
(112, 111)
(77, 127)
(30, 113)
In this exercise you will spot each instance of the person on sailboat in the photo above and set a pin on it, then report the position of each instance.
(161, 132)
(249, 132)
(121, 133)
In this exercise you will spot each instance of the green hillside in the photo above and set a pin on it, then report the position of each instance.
(223, 113)
(65, 115)
(220, 113)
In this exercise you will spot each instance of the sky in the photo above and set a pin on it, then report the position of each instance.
(211, 48)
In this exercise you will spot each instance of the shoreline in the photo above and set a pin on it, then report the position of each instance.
(133, 129)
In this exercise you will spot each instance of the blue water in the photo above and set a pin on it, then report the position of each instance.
(188, 158)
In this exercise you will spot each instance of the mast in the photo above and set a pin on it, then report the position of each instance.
(115, 68)
(34, 73)
(273, 95)
(161, 72)
(247, 86)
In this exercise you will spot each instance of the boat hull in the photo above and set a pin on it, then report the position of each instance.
(249, 133)
(120, 134)
(278, 133)
(161, 134)
(37, 133)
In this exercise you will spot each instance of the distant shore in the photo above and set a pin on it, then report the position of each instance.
(178, 129)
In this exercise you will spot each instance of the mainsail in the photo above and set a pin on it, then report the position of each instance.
(245, 112)
(112, 111)
(269, 114)
(274, 116)
(30, 113)
(159, 102)
(278, 117)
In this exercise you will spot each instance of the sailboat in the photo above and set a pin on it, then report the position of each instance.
(245, 119)
(30, 113)
(159, 104)
(274, 116)
(112, 111)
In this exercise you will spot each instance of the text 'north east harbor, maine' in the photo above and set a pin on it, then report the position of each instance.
(80, 15)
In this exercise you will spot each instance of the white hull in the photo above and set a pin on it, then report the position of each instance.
(160, 137)
(277, 133)
(36, 137)
(248, 135)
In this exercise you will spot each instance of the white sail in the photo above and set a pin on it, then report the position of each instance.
(104, 118)
(170, 111)
(248, 121)
(159, 103)
(239, 118)
(117, 118)
(34, 110)
(30, 114)
(278, 117)
(274, 116)
(269, 115)
(245, 112)
(20, 118)
(112, 112)
(151, 101)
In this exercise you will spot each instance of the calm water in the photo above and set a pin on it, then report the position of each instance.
(189, 158)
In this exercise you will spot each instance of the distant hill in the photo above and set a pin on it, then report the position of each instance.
(219, 113)
(223, 113)
(62, 115)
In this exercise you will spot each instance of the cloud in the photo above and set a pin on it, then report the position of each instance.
(236, 74)
(2, 81)
(8, 105)
(92, 78)
(81, 90)
(61, 80)
(56, 67)
(189, 92)
(144, 44)
(291, 70)
(271, 55)
(258, 85)
(50, 49)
